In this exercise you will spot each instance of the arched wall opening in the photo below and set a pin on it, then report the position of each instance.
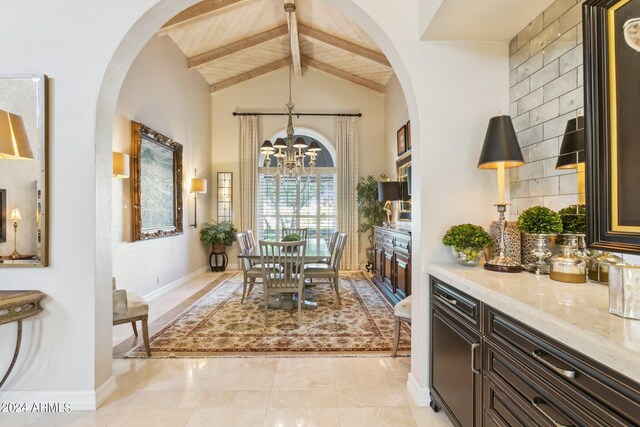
(115, 73)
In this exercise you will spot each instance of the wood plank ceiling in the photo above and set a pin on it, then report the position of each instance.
(232, 41)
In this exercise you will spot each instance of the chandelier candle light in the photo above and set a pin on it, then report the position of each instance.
(501, 151)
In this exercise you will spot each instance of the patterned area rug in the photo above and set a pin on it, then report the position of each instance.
(218, 325)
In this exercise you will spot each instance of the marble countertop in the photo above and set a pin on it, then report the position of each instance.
(576, 315)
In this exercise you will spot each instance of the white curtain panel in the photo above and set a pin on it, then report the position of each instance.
(347, 141)
(248, 136)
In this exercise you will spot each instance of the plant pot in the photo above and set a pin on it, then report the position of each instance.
(466, 256)
(540, 253)
(218, 248)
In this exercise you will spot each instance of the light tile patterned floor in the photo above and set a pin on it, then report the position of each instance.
(245, 392)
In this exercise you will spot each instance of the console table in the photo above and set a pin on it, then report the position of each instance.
(15, 306)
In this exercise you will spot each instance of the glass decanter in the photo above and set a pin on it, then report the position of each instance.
(567, 266)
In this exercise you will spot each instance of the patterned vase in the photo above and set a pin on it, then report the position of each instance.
(511, 237)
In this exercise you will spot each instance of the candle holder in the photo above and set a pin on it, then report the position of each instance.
(502, 262)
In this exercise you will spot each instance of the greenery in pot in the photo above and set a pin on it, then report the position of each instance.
(574, 219)
(293, 237)
(222, 233)
(371, 209)
(467, 242)
(540, 220)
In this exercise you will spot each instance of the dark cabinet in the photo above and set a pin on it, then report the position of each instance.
(489, 369)
(392, 268)
(456, 377)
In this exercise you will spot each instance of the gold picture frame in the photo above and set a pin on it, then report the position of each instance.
(156, 184)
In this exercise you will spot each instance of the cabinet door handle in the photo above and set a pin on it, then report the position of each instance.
(539, 355)
(473, 358)
(539, 403)
(449, 300)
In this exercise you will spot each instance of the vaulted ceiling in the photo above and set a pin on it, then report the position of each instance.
(232, 41)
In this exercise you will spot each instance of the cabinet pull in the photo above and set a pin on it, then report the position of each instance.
(539, 356)
(449, 300)
(473, 358)
(538, 403)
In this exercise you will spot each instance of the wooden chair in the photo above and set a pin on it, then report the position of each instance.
(279, 274)
(251, 240)
(401, 313)
(303, 232)
(332, 241)
(331, 271)
(251, 274)
(129, 307)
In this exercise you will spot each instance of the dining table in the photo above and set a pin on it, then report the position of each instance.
(316, 251)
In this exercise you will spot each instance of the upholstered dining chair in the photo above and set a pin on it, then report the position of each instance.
(129, 307)
(250, 273)
(280, 274)
(331, 271)
(401, 313)
(332, 246)
(251, 240)
(302, 232)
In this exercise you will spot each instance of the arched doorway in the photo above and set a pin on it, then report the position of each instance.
(129, 47)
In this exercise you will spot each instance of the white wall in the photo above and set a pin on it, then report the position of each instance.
(316, 92)
(161, 93)
(396, 115)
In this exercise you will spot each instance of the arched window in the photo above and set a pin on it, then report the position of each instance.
(310, 203)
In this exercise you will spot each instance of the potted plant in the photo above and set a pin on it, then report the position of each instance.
(540, 223)
(218, 235)
(467, 242)
(574, 219)
(371, 211)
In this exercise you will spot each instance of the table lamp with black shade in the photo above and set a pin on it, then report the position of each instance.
(572, 154)
(501, 151)
(389, 191)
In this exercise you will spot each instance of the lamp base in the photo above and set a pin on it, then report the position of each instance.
(503, 264)
(15, 255)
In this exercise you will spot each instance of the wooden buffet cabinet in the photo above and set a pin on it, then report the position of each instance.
(392, 265)
(488, 369)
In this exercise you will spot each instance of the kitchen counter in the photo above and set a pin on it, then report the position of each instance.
(576, 315)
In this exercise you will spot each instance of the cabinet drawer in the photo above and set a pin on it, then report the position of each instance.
(458, 302)
(611, 397)
(502, 407)
(403, 244)
(544, 404)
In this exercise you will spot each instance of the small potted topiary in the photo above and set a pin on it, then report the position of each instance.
(574, 221)
(540, 223)
(467, 242)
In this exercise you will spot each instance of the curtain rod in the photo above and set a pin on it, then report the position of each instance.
(301, 114)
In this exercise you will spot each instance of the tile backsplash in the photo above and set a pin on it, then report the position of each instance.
(546, 90)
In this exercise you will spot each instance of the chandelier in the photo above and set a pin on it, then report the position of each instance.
(289, 155)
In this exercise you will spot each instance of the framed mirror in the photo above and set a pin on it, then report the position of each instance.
(23, 171)
(156, 184)
(612, 89)
(403, 166)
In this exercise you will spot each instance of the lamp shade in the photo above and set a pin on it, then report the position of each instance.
(314, 146)
(14, 142)
(389, 191)
(280, 143)
(572, 147)
(500, 145)
(120, 165)
(299, 143)
(267, 147)
(198, 185)
(15, 215)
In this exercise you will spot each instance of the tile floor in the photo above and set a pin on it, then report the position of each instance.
(245, 392)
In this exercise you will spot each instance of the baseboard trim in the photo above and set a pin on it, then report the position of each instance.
(104, 391)
(152, 296)
(420, 394)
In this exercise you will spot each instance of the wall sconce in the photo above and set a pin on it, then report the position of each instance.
(15, 217)
(198, 185)
(120, 165)
(14, 142)
(225, 196)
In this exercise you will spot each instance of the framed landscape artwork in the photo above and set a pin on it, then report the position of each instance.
(612, 88)
(402, 140)
(156, 181)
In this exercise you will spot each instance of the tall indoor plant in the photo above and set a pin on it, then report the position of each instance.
(371, 210)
